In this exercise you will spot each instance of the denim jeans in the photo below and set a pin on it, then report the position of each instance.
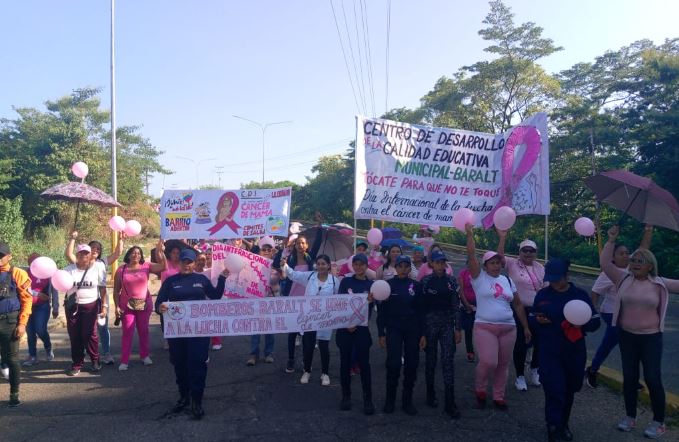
(647, 351)
(104, 337)
(37, 326)
(608, 342)
(268, 345)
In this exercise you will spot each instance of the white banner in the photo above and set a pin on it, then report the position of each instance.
(252, 281)
(238, 317)
(224, 214)
(423, 175)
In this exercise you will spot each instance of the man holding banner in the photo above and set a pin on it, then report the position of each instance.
(189, 354)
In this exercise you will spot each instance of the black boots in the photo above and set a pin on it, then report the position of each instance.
(431, 396)
(390, 401)
(197, 410)
(450, 407)
(368, 406)
(407, 402)
(182, 403)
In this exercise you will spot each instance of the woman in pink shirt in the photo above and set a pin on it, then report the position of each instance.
(133, 303)
(528, 274)
(639, 312)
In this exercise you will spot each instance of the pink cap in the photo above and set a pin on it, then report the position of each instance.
(490, 254)
(83, 248)
(266, 241)
(528, 243)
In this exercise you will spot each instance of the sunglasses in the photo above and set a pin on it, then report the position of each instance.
(637, 260)
(528, 250)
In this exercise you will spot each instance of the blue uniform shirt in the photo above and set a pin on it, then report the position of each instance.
(402, 308)
(351, 284)
(189, 287)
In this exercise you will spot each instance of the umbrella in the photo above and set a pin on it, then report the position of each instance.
(80, 192)
(395, 242)
(334, 243)
(636, 196)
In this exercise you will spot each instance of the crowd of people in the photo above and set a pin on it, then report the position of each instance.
(503, 305)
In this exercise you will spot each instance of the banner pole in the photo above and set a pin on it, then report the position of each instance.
(355, 183)
(546, 237)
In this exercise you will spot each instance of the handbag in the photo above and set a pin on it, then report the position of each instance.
(71, 300)
(134, 304)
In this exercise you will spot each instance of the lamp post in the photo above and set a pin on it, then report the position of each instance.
(196, 164)
(263, 128)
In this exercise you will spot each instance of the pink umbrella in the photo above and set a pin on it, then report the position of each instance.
(80, 192)
(636, 196)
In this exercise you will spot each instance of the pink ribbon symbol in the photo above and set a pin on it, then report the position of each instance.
(356, 303)
(217, 227)
(530, 136)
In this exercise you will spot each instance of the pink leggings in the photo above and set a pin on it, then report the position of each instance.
(129, 319)
(494, 344)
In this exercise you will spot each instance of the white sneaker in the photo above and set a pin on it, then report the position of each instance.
(30, 361)
(123, 367)
(534, 377)
(147, 361)
(49, 355)
(217, 347)
(5, 372)
(627, 424)
(655, 430)
(325, 380)
(305, 378)
(520, 384)
(107, 359)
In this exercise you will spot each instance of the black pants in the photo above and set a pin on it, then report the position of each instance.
(308, 346)
(561, 377)
(9, 349)
(402, 342)
(467, 324)
(439, 329)
(291, 345)
(353, 344)
(521, 348)
(188, 355)
(647, 350)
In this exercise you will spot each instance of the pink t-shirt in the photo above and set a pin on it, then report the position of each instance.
(298, 289)
(528, 279)
(134, 283)
(640, 309)
(169, 271)
(467, 289)
(38, 286)
(603, 286)
(426, 270)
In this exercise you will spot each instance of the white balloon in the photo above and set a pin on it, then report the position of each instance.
(380, 290)
(577, 312)
(234, 263)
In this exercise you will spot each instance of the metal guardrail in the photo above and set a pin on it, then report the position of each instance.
(456, 248)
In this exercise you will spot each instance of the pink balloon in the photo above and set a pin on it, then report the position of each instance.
(577, 312)
(234, 263)
(585, 226)
(380, 290)
(374, 236)
(504, 218)
(117, 223)
(80, 169)
(43, 267)
(132, 228)
(62, 280)
(463, 217)
(435, 230)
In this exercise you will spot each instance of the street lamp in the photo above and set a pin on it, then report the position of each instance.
(263, 127)
(197, 164)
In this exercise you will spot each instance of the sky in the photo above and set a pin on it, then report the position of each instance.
(185, 68)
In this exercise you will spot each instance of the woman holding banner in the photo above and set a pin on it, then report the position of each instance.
(317, 283)
(266, 247)
(189, 355)
(302, 260)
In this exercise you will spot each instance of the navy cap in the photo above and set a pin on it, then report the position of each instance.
(438, 256)
(361, 242)
(359, 257)
(556, 269)
(189, 254)
(4, 249)
(402, 259)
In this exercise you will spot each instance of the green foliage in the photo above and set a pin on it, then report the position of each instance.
(11, 222)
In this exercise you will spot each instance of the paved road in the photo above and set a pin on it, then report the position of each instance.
(265, 403)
